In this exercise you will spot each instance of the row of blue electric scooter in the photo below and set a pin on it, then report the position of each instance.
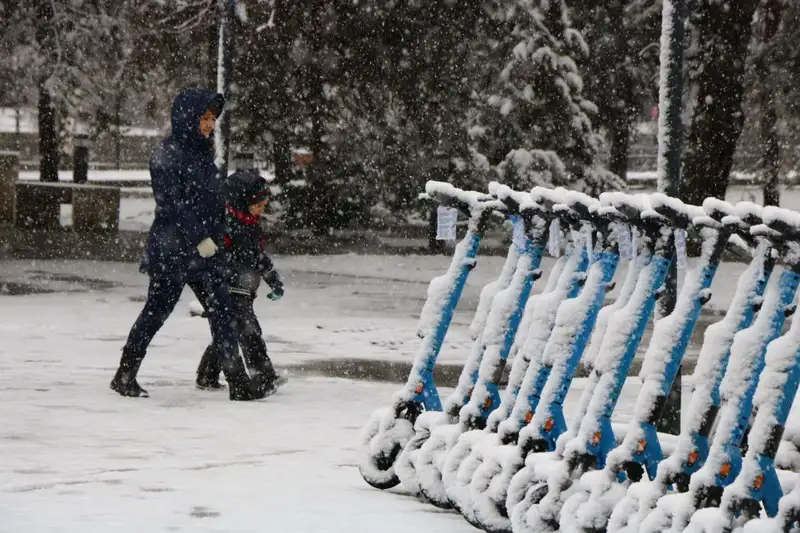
(508, 460)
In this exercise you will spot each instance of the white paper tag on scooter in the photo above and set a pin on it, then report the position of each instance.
(761, 253)
(625, 241)
(518, 235)
(680, 247)
(446, 223)
(586, 234)
(554, 238)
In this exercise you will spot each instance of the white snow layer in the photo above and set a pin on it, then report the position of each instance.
(425, 423)
(541, 314)
(497, 325)
(558, 348)
(744, 354)
(781, 360)
(620, 328)
(432, 454)
(713, 357)
(594, 510)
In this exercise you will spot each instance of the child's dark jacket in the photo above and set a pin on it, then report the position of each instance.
(244, 243)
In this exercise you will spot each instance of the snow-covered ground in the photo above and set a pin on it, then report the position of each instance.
(336, 306)
(74, 456)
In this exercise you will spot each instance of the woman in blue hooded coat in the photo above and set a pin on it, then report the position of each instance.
(182, 243)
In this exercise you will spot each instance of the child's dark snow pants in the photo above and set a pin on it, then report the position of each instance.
(251, 341)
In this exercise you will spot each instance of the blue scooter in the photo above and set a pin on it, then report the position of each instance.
(389, 429)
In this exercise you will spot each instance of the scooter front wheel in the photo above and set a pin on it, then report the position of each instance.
(382, 441)
(533, 496)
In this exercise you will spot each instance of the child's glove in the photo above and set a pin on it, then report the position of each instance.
(274, 281)
(207, 248)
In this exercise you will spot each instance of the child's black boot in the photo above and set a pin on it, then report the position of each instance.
(208, 371)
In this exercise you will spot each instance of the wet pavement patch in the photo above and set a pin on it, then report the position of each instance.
(200, 511)
(11, 288)
(90, 283)
(444, 374)
(43, 282)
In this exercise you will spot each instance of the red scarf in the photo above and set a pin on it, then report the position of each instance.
(241, 216)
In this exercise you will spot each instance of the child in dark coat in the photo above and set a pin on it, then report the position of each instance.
(248, 263)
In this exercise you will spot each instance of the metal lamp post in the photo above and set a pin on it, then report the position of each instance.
(227, 10)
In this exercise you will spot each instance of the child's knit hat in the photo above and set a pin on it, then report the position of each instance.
(244, 188)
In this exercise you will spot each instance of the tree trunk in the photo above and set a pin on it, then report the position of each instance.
(316, 105)
(118, 133)
(48, 137)
(771, 156)
(771, 152)
(280, 128)
(212, 46)
(620, 143)
(280, 156)
(623, 99)
(724, 30)
(316, 171)
(18, 134)
(670, 145)
(225, 76)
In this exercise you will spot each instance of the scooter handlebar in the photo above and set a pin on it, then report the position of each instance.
(632, 207)
(783, 220)
(750, 213)
(516, 201)
(678, 213)
(718, 209)
(470, 202)
(548, 197)
(762, 230)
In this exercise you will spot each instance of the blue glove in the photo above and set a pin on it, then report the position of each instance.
(274, 281)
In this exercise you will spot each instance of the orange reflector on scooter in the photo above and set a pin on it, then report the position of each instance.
(641, 446)
(693, 457)
(419, 388)
(758, 481)
(487, 404)
(596, 438)
(528, 417)
(725, 470)
(548, 426)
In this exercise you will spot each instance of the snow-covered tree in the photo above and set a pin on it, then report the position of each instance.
(621, 70)
(80, 62)
(380, 89)
(772, 99)
(538, 128)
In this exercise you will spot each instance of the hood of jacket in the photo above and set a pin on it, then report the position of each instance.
(187, 110)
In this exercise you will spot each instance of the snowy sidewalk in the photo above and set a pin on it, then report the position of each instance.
(74, 456)
(336, 307)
